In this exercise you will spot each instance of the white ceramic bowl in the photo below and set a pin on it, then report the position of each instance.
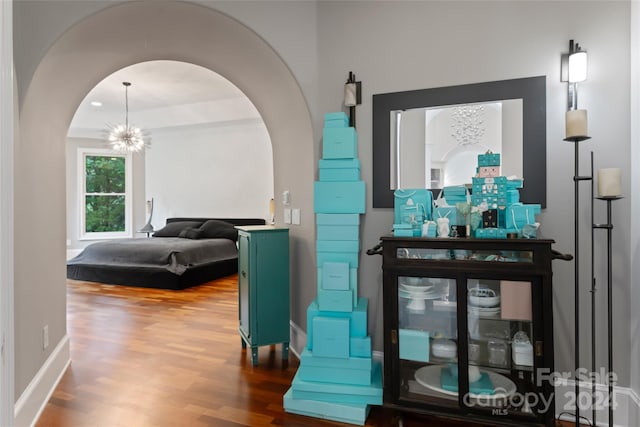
(483, 297)
(444, 348)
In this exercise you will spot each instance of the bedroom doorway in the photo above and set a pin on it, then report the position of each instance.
(74, 63)
(198, 124)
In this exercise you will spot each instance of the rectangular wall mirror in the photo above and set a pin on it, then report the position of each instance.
(430, 138)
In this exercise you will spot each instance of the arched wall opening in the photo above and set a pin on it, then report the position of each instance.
(92, 49)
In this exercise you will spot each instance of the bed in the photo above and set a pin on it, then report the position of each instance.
(186, 252)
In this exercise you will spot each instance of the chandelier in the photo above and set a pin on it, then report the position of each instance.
(467, 124)
(126, 138)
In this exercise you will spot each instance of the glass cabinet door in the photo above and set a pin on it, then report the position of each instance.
(500, 346)
(427, 338)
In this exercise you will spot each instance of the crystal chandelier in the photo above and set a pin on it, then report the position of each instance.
(467, 124)
(126, 138)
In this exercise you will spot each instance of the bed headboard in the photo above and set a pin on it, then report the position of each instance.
(234, 221)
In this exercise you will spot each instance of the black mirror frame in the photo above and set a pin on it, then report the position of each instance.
(532, 91)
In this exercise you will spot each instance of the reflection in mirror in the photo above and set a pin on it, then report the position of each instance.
(509, 114)
(439, 146)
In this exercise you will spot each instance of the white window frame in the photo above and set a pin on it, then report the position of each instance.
(82, 154)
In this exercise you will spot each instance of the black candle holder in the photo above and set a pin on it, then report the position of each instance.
(577, 178)
(609, 227)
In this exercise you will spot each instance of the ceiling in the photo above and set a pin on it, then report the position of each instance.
(163, 94)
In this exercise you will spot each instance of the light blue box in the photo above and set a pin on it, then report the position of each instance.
(414, 345)
(403, 230)
(338, 232)
(339, 143)
(357, 319)
(330, 337)
(335, 276)
(307, 358)
(339, 170)
(337, 245)
(343, 393)
(360, 347)
(338, 219)
(339, 197)
(353, 282)
(351, 413)
(350, 257)
(335, 370)
(338, 251)
(330, 300)
(489, 159)
(491, 233)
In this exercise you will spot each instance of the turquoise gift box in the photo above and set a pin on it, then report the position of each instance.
(360, 347)
(352, 283)
(351, 413)
(330, 337)
(335, 276)
(337, 116)
(489, 159)
(344, 393)
(339, 143)
(352, 370)
(414, 345)
(338, 232)
(338, 219)
(339, 197)
(357, 319)
(339, 170)
(338, 251)
(332, 300)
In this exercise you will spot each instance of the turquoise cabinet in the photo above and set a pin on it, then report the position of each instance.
(263, 287)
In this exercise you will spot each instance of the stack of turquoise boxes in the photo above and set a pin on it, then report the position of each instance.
(337, 378)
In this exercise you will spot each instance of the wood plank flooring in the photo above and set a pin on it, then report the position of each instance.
(148, 357)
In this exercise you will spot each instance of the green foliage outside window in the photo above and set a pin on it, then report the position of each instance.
(104, 194)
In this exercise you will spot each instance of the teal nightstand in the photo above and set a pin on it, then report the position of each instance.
(263, 287)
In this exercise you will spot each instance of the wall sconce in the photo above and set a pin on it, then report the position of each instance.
(573, 69)
(352, 97)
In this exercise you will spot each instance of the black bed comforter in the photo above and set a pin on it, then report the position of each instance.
(173, 254)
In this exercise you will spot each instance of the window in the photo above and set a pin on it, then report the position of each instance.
(104, 194)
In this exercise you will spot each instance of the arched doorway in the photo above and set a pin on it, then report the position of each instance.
(92, 49)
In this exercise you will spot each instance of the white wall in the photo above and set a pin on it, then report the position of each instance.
(212, 171)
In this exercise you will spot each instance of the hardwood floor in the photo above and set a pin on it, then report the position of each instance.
(148, 357)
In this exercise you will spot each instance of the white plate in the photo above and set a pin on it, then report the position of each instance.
(416, 289)
(429, 377)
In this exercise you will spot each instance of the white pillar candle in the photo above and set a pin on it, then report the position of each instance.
(576, 123)
(609, 182)
(350, 94)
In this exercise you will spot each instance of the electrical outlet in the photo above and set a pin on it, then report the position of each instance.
(45, 337)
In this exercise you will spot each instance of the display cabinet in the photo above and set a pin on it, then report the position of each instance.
(468, 328)
(263, 287)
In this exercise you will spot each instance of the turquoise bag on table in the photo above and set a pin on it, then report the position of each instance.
(412, 206)
(445, 204)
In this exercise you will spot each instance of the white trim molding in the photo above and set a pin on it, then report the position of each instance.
(626, 410)
(35, 397)
(7, 118)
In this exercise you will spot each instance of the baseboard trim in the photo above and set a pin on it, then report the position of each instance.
(31, 403)
(625, 414)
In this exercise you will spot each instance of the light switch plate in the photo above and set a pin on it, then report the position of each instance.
(295, 216)
(287, 216)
